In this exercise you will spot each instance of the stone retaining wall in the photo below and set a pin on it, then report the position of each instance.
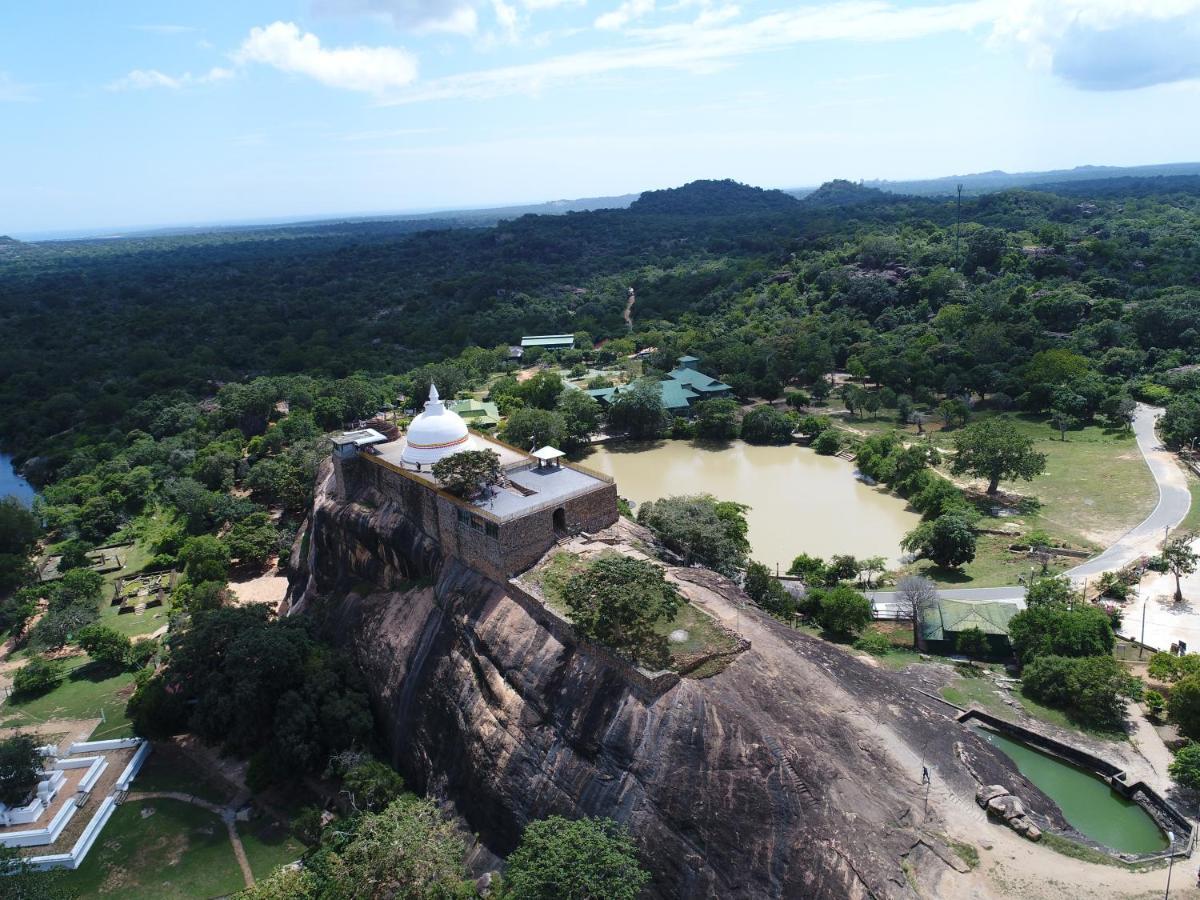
(648, 685)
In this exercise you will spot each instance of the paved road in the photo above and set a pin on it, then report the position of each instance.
(1174, 500)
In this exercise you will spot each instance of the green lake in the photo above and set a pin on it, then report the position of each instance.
(1086, 801)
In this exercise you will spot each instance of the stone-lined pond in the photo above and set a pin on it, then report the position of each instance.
(799, 502)
(1086, 801)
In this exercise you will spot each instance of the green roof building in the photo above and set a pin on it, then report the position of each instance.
(681, 387)
(945, 619)
(476, 413)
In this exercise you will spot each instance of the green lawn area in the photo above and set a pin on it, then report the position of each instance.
(177, 850)
(1095, 488)
(704, 635)
(1191, 521)
(994, 565)
(168, 769)
(85, 691)
(269, 844)
(131, 625)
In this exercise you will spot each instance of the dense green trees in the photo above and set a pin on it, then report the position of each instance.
(1052, 629)
(105, 645)
(574, 859)
(638, 411)
(716, 420)
(766, 590)
(1093, 689)
(948, 540)
(766, 425)
(297, 700)
(19, 530)
(618, 600)
(701, 529)
(532, 428)
(841, 610)
(37, 676)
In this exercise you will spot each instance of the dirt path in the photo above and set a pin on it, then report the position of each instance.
(628, 314)
(73, 729)
(227, 814)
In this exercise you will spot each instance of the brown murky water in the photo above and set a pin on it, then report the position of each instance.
(799, 502)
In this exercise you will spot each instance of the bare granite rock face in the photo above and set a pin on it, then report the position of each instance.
(796, 772)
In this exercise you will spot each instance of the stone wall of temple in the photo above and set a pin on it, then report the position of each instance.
(496, 548)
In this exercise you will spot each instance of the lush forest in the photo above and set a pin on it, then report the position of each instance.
(175, 390)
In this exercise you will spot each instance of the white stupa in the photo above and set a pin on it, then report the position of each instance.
(435, 433)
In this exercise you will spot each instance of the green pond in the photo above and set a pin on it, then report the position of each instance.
(1086, 801)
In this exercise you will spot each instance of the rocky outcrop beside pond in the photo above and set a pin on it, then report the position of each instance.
(795, 772)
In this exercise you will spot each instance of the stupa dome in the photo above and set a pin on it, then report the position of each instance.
(435, 434)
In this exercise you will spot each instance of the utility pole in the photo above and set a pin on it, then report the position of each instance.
(958, 228)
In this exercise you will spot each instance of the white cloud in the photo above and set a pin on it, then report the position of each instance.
(453, 16)
(372, 69)
(145, 79)
(628, 11)
(1106, 44)
(701, 47)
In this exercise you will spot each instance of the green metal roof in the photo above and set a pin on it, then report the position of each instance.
(604, 394)
(949, 617)
(676, 394)
(698, 381)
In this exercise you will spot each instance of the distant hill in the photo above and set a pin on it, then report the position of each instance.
(713, 198)
(988, 182)
(841, 193)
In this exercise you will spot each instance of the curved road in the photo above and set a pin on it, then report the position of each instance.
(1174, 501)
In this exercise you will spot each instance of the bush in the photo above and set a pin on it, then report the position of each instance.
(1185, 767)
(1183, 706)
(1156, 703)
(372, 785)
(948, 540)
(38, 676)
(971, 643)
(701, 529)
(1092, 690)
(874, 642)
(766, 425)
(827, 443)
(843, 611)
(765, 590)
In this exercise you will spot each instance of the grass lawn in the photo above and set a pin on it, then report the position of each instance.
(1191, 521)
(131, 625)
(159, 849)
(704, 635)
(85, 691)
(269, 844)
(168, 769)
(993, 566)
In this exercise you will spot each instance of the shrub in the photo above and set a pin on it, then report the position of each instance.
(767, 592)
(827, 443)
(701, 529)
(843, 611)
(1156, 703)
(948, 540)
(766, 425)
(38, 676)
(971, 643)
(874, 642)
(1185, 767)
(372, 785)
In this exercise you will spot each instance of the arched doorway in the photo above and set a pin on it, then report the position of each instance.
(560, 520)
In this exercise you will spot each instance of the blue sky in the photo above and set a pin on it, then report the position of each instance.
(127, 114)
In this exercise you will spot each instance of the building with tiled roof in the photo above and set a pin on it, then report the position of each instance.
(681, 387)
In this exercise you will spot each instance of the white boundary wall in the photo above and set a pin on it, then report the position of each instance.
(103, 813)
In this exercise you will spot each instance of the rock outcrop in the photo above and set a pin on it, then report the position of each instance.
(1002, 804)
(796, 772)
